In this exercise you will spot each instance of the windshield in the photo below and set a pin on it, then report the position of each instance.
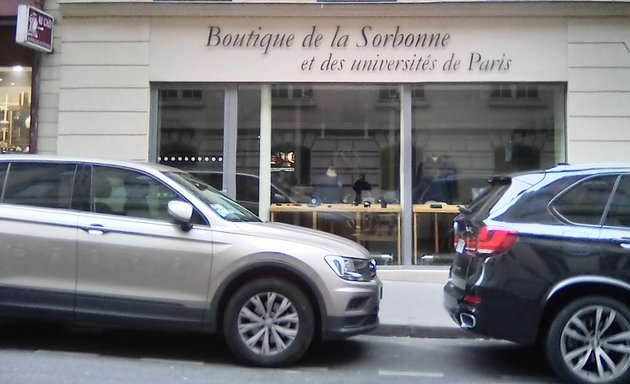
(225, 207)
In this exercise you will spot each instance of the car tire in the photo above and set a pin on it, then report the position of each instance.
(589, 342)
(269, 322)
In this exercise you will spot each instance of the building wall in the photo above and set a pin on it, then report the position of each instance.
(48, 111)
(95, 88)
(104, 88)
(598, 105)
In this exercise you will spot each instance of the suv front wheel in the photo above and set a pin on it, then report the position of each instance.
(589, 342)
(269, 322)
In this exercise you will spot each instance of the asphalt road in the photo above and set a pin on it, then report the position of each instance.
(52, 355)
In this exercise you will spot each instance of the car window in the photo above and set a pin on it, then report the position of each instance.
(222, 205)
(215, 179)
(619, 211)
(129, 193)
(585, 202)
(39, 184)
(488, 196)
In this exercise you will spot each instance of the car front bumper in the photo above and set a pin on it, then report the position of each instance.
(360, 314)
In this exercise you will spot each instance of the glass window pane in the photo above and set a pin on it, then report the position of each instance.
(324, 140)
(339, 145)
(121, 192)
(15, 109)
(619, 211)
(585, 203)
(465, 133)
(190, 127)
(43, 185)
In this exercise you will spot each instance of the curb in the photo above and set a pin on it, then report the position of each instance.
(427, 332)
(438, 275)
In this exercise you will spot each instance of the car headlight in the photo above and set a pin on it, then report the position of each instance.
(352, 269)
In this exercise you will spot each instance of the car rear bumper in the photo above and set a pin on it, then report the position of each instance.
(496, 316)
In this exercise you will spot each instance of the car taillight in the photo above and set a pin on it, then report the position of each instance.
(490, 241)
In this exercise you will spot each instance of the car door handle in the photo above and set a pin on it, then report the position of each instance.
(625, 243)
(95, 229)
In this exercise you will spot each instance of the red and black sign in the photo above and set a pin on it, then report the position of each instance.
(34, 28)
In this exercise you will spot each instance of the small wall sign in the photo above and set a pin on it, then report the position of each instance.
(34, 28)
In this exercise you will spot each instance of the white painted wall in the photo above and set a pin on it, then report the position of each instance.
(598, 101)
(48, 112)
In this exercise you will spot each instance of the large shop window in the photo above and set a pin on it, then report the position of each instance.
(337, 148)
(192, 130)
(462, 134)
(15, 108)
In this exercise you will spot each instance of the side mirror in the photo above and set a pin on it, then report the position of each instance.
(181, 212)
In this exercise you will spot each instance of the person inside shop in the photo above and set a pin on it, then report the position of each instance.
(328, 186)
(359, 186)
(435, 180)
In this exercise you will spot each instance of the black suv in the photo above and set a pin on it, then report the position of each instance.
(544, 258)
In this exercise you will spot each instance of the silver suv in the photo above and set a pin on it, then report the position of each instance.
(139, 244)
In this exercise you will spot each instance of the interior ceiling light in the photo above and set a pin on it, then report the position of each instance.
(18, 68)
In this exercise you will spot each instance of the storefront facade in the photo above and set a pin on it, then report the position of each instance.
(370, 120)
(18, 68)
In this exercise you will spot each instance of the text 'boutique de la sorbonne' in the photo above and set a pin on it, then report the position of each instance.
(365, 37)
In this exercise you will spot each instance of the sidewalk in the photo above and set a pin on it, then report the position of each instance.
(412, 304)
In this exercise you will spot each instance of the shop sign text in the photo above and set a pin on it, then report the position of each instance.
(395, 49)
(34, 28)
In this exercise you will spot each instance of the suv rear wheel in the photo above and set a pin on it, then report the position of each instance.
(589, 342)
(269, 322)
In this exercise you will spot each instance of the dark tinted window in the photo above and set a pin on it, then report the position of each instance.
(43, 185)
(619, 211)
(488, 195)
(585, 202)
(533, 203)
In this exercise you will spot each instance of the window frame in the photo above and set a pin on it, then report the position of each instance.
(577, 184)
(611, 201)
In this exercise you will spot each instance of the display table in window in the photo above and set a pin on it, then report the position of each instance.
(432, 232)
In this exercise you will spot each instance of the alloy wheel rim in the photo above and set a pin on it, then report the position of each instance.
(595, 344)
(268, 323)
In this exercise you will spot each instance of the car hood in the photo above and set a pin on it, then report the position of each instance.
(332, 244)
